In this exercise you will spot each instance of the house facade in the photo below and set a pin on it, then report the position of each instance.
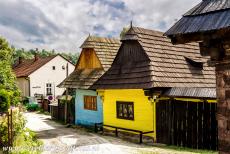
(150, 77)
(40, 76)
(96, 57)
(208, 23)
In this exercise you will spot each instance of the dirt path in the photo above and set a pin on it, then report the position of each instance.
(59, 139)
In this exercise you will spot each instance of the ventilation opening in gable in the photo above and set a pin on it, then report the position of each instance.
(195, 63)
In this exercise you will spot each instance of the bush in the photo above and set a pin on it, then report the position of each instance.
(4, 100)
(26, 140)
(18, 125)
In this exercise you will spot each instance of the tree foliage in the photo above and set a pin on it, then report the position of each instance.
(43, 53)
(8, 85)
(5, 100)
(124, 31)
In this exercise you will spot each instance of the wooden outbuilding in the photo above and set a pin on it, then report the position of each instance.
(208, 23)
(96, 57)
(152, 87)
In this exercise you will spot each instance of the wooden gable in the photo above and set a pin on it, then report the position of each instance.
(130, 52)
(96, 57)
(88, 60)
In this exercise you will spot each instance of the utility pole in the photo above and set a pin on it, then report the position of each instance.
(66, 92)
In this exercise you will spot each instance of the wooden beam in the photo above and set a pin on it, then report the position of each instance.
(200, 36)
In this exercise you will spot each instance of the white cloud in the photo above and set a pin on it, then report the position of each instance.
(64, 24)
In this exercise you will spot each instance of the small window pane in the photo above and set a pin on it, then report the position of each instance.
(125, 110)
(48, 89)
(90, 103)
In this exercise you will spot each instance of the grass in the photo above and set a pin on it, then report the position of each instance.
(176, 148)
(41, 111)
(25, 142)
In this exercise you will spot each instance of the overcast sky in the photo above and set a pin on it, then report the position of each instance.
(64, 24)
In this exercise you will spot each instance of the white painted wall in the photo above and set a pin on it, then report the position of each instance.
(46, 74)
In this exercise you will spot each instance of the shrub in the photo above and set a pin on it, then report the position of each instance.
(4, 100)
(18, 125)
(26, 140)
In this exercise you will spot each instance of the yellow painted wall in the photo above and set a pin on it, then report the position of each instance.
(144, 110)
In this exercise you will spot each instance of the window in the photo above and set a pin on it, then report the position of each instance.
(63, 67)
(48, 89)
(54, 67)
(125, 110)
(90, 103)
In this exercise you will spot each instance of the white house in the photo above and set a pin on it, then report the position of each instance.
(40, 76)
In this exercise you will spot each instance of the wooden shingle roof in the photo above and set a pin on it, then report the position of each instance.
(82, 78)
(207, 16)
(166, 64)
(106, 50)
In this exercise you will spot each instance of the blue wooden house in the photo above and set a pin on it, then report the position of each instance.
(95, 59)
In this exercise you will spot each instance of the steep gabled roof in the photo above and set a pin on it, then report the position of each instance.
(106, 50)
(28, 66)
(207, 16)
(166, 65)
(82, 79)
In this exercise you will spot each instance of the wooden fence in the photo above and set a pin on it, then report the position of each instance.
(58, 111)
(9, 129)
(187, 124)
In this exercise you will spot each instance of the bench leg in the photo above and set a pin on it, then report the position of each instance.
(140, 138)
(95, 128)
(116, 132)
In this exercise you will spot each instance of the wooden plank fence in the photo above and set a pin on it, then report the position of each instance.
(187, 124)
(9, 129)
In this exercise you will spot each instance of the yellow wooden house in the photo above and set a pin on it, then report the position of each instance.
(151, 81)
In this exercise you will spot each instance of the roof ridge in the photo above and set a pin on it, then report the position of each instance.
(99, 39)
(145, 29)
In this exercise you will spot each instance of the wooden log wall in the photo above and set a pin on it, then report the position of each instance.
(223, 107)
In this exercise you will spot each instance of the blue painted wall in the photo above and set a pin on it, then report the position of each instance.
(87, 117)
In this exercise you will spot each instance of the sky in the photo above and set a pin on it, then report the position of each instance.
(63, 25)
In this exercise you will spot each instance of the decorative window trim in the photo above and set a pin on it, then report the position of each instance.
(122, 105)
(90, 103)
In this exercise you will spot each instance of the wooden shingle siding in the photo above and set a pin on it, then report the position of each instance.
(147, 59)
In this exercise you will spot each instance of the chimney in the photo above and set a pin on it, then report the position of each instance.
(36, 55)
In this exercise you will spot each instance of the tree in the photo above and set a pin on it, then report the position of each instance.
(7, 78)
(124, 31)
(29, 54)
